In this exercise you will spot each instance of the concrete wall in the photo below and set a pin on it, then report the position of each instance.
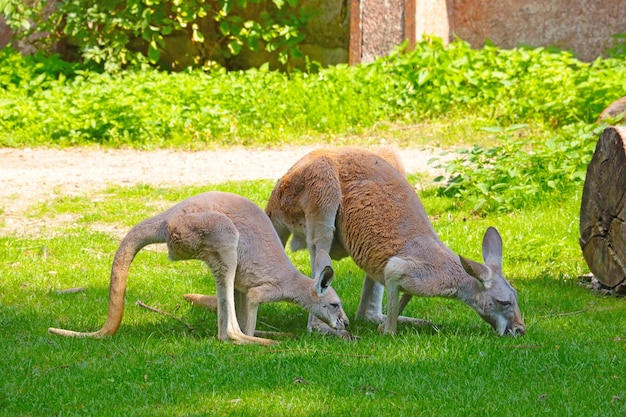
(433, 17)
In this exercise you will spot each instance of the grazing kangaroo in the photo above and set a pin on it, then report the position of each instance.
(236, 240)
(352, 202)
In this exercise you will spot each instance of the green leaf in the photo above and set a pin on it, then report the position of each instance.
(492, 129)
(234, 46)
(224, 28)
(7, 8)
(484, 188)
(479, 204)
(153, 52)
(422, 77)
(197, 36)
(253, 44)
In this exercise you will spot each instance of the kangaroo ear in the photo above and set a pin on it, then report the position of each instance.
(492, 249)
(324, 272)
(478, 271)
(323, 280)
(322, 260)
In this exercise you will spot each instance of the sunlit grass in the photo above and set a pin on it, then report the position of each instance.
(571, 362)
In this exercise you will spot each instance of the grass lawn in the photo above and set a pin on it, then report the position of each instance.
(571, 362)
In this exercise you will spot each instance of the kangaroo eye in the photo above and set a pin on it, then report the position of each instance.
(334, 305)
(504, 303)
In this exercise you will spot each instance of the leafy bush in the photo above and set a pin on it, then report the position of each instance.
(510, 86)
(544, 89)
(119, 33)
(191, 109)
(32, 72)
(520, 171)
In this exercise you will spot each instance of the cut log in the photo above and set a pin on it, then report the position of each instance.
(603, 210)
(615, 110)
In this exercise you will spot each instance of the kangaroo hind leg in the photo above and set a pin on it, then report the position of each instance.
(213, 238)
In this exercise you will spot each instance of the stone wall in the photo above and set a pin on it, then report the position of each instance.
(585, 27)
(382, 27)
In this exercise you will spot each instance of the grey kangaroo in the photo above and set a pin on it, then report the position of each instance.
(237, 241)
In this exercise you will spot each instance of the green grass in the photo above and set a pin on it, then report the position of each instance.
(571, 362)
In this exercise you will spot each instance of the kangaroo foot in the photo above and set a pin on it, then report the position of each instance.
(243, 339)
(200, 300)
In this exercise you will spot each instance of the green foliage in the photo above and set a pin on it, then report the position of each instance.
(513, 86)
(155, 366)
(618, 50)
(520, 171)
(190, 109)
(529, 113)
(26, 74)
(125, 33)
(544, 89)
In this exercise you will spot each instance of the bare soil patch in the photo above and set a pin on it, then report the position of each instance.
(30, 176)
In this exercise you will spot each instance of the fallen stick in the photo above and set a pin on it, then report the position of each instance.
(165, 313)
(71, 290)
(567, 313)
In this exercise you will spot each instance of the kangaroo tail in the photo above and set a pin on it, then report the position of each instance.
(145, 233)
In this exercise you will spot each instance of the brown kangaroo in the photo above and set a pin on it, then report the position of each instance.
(352, 202)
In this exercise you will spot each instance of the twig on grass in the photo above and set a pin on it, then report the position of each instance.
(54, 368)
(165, 313)
(71, 290)
(267, 325)
(567, 313)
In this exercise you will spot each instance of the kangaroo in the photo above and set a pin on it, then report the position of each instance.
(352, 202)
(237, 241)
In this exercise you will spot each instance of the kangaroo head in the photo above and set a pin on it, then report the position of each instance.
(496, 299)
(327, 306)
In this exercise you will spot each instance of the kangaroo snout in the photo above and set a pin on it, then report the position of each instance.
(341, 323)
(517, 330)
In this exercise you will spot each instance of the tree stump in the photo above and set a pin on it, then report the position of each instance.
(603, 210)
(613, 111)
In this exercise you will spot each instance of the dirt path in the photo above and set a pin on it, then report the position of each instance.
(28, 176)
